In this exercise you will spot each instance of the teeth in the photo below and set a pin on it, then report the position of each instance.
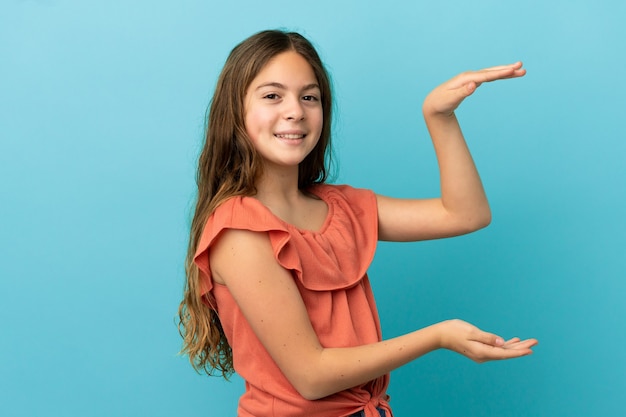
(290, 136)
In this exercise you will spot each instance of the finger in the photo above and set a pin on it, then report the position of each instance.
(523, 344)
(511, 353)
(458, 93)
(469, 82)
(511, 341)
(488, 338)
(470, 88)
(494, 73)
(515, 65)
(488, 353)
(488, 75)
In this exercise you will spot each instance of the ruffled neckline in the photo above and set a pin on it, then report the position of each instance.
(319, 191)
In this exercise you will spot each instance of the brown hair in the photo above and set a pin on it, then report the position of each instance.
(229, 166)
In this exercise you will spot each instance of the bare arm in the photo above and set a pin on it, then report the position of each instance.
(463, 205)
(270, 301)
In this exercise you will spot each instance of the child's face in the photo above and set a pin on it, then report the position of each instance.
(283, 110)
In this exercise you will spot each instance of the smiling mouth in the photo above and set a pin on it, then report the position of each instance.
(290, 136)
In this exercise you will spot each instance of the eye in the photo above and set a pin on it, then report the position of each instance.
(310, 98)
(271, 96)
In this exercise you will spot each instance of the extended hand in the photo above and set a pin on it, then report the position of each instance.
(444, 99)
(468, 340)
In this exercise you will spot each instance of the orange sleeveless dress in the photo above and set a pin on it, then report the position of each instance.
(329, 267)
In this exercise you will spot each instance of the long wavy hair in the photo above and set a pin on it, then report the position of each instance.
(229, 166)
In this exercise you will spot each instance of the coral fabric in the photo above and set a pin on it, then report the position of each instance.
(329, 267)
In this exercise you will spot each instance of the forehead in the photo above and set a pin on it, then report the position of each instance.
(289, 68)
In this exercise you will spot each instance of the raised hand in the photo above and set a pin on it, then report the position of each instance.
(444, 99)
(480, 346)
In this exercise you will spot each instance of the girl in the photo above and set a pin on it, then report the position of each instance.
(276, 287)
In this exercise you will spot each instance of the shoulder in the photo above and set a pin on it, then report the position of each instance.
(237, 222)
(239, 252)
(239, 213)
(342, 192)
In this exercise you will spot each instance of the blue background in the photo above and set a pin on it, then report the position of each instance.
(101, 117)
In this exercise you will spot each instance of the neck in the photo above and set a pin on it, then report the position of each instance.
(278, 185)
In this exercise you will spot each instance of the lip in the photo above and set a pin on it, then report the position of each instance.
(290, 134)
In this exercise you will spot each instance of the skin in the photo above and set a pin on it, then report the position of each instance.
(282, 100)
(265, 292)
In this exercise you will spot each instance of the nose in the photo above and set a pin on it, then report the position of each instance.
(294, 110)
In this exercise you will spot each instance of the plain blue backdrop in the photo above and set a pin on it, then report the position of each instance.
(102, 107)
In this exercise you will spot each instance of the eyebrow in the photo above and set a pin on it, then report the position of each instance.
(283, 87)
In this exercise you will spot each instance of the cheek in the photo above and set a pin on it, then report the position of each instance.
(319, 120)
(256, 122)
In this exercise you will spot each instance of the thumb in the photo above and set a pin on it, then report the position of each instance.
(470, 88)
(489, 339)
(462, 92)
